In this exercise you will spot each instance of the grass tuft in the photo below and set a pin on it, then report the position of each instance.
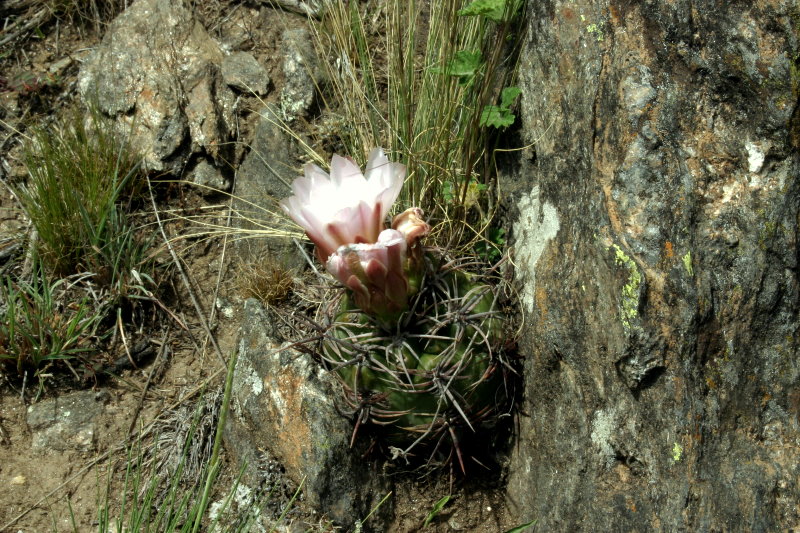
(79, 170)
(38, 329)
(421, 79)
(267, 281)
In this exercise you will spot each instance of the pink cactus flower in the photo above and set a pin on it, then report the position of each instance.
(375, 273)
(347, 207)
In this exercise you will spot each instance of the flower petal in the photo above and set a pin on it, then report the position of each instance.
(344, 207)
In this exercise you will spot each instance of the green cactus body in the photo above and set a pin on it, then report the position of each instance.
(437, 367)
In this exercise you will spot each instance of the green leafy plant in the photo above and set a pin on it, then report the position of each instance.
(500, 116)
(494, 10)
(421, 94)
(491, 248)
(435, 510)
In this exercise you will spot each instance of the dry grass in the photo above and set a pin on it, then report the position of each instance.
(267, 281)
(415, 77)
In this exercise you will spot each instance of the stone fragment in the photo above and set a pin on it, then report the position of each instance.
(310, 8)
(284, 403)
(209, 178)
(66, 422)
(300, 70)
(157, 72)
(243, 72)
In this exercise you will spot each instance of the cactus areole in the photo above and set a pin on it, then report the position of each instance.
(415, 338)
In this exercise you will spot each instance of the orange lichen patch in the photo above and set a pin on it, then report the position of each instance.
(541, 301)
(286, 406)
(631, 504)
(623, 472)
(568, 13)
(765, 399)
(794, 403)
(668, 252)
(614, 13)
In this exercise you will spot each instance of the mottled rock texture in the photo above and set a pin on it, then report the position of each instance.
(243, 72)
(301, 72)
(656, 245)
(157, 73)
(66, 422)
(283, 403)
(265, 177)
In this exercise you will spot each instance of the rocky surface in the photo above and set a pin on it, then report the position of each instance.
(209, 178)
(66, 422)
(284, 404)
(157, 72)
(263, 178)
(242, 71)
(656, 240)
(301, 72)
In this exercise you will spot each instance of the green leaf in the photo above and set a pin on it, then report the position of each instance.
(464, 63)
(491, 9)
(448, 191)
(508, 96)
(520, 529)
(497, 117)
(437, 508)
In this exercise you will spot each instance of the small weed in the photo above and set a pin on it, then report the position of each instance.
(437, 508)
(36, 329)
(522, 527)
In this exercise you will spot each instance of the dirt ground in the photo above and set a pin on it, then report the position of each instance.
(48, 490)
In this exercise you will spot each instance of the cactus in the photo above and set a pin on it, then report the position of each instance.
(433, 374)
(415, 342)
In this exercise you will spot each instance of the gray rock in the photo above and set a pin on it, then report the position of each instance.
(157, 72)
(242, 71)
(209, 178)
(263, 179)
(300, 69)
(284, 403)
(310, 8)
(656, 244)
(67, 422)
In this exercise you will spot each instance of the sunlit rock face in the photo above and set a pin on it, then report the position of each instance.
(284, 406)
(656, 250)
(157, 72)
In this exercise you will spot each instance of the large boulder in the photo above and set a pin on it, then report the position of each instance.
(656, 244)
(157, 72)
(283, 403)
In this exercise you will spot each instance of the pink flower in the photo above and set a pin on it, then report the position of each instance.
(347, 207)
(375, 273)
